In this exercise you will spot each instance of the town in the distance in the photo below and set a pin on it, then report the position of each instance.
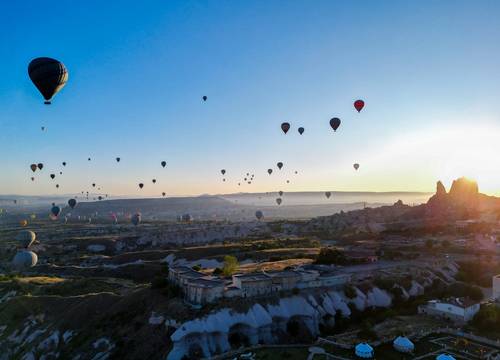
(372, 275)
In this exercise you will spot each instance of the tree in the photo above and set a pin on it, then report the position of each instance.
(230, 265)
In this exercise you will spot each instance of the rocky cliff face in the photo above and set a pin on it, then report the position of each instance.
(461, 202)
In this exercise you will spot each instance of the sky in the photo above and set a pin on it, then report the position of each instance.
(427, 71)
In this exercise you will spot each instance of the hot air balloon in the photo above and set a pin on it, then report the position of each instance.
(141, 185)
(301, 130)
(52, 176)
(335, 123)
(328, 194)
(154, 181)
(57, 186)
(269, 171)
(280, 193)
(64, 163)
(280, 165)
(60, 172)
(204, 98)
(55, 210)
(99, 198)
(40, 166)
(48, 75)
(163, 163)
(163, 194)
(356, 166)
(288, 181)
(32, 178)
(117, 159)
(23, 223)
(72, 203)
(136, 219)
(24, 259)
(359, 105)
(43, 128)
(93, 184)
(223, 171)
(278, 201)
(285, 127)
(26, 238)
(33, 167)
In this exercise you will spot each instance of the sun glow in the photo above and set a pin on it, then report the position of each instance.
(444, 154)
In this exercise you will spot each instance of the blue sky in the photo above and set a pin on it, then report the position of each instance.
(428, 71)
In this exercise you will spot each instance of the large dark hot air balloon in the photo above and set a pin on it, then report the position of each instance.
(359, 105)
(117, 159)
(33, 167)
(163, 163)
(154, 181)
(204, 98)
(285, 127)
(64, 163)
(335, 123)
(55, 210)
(301, 130)
(223, 171)
(52, 176)
(141, 185)
(72, 203)
(280, 165)
(40, 166)
(48, 75)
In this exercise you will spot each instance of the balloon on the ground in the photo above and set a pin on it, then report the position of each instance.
(136, 219)
(24, 259)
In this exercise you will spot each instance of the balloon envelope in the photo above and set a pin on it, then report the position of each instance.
(55, 210)
(359, 105)
(26, 238)
(280, 165)
(301, 130)
(335, 123)
(72, 203)
(33, 167)
(48, 75)
(24, 259)
(136, 219)
(285, 127)
(356, 166)
(259, 215)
